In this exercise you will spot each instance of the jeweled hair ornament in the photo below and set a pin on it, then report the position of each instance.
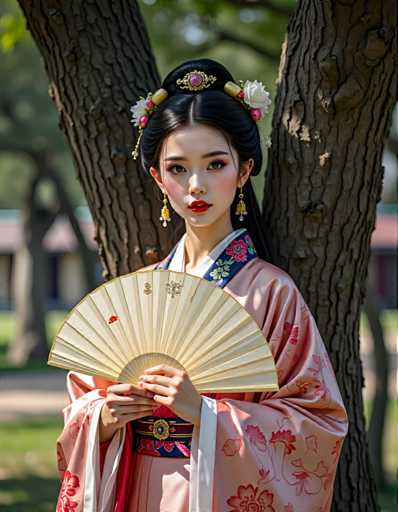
(252, 95)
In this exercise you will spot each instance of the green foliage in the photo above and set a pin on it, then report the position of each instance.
(12, 26)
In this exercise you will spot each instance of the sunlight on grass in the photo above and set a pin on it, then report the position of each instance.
(28, 474)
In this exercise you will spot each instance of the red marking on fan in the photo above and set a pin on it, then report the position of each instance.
(113, 318)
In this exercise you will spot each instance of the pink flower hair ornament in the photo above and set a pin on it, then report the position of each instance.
(252, 95)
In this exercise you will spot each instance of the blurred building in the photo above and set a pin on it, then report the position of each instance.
(65, 277)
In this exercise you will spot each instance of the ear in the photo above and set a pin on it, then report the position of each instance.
(245, 170)
(156, 176)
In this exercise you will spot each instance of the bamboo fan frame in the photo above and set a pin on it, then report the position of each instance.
(145, 318)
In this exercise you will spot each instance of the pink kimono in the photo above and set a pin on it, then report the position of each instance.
(273, 451)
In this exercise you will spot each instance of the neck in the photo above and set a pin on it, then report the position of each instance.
(200, 241)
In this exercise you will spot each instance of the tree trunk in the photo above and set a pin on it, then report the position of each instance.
(337, 89)
(99, 61)
(43, 162)
(30, 283)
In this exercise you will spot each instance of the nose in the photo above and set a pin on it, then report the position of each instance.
(195, 184)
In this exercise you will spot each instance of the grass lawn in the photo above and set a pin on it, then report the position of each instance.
(7, 332)
(28, 475)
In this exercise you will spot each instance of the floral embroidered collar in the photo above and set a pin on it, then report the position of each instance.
(233, 258)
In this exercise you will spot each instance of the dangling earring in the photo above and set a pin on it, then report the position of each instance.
(241, 206)
(164, 213)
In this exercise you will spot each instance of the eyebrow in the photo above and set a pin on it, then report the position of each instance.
(207, 155)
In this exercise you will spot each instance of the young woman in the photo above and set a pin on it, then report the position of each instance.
(199, 140)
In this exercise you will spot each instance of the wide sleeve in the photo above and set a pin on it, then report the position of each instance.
(79, 454)
(279, 451)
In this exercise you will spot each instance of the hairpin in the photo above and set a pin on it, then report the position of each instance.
(252, 95)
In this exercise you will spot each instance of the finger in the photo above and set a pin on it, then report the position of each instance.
(135, 416)
(157, 379)
(125, 400)
(118, 411)
(159, 390)
(163, 369)
(131, 410)
(127, 389)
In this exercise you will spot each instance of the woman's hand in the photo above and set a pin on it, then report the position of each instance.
(123, 403)
(173, 388)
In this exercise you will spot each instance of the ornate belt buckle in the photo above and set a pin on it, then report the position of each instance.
(161, 429)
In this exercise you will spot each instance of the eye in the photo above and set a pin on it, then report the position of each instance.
(176, 166)
(218, 163)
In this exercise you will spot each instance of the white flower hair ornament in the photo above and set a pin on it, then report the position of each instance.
(252, 95)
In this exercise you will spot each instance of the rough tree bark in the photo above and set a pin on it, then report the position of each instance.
(98, 59)
(337, 89)
(332, 113)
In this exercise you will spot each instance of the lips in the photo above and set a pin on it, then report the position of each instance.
(199, 204)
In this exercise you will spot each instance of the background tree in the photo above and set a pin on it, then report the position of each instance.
(332, 113)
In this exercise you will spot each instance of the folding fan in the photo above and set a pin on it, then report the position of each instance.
(146, 318)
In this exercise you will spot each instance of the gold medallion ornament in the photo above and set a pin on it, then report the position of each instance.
(161, 429)
(196, 80)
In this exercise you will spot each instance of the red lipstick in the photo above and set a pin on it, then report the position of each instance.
(199, 206)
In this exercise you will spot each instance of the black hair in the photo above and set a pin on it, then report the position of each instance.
(213, 107)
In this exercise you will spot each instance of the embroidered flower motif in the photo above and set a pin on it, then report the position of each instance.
(291, 332)
(318, 364)
(248, 500)
(307, 481)
(336, 448)
(264, 473)
(222, 270)
(312, 443)
(231, 447)
(256, 437)
(183, 449)
(286, 437)
(238, 250)
(250, 246)
(69, 485)
(167, 445)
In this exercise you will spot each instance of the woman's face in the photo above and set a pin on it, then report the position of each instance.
(197, 163)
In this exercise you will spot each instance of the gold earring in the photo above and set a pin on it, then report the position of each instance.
(241, 206)
(164, 213)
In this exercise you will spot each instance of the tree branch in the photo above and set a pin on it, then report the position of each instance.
(265, 4)
(220, 35)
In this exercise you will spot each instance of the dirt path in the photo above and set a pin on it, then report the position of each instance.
(30, 394)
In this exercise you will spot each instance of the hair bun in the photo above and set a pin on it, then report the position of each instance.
(217, 75)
